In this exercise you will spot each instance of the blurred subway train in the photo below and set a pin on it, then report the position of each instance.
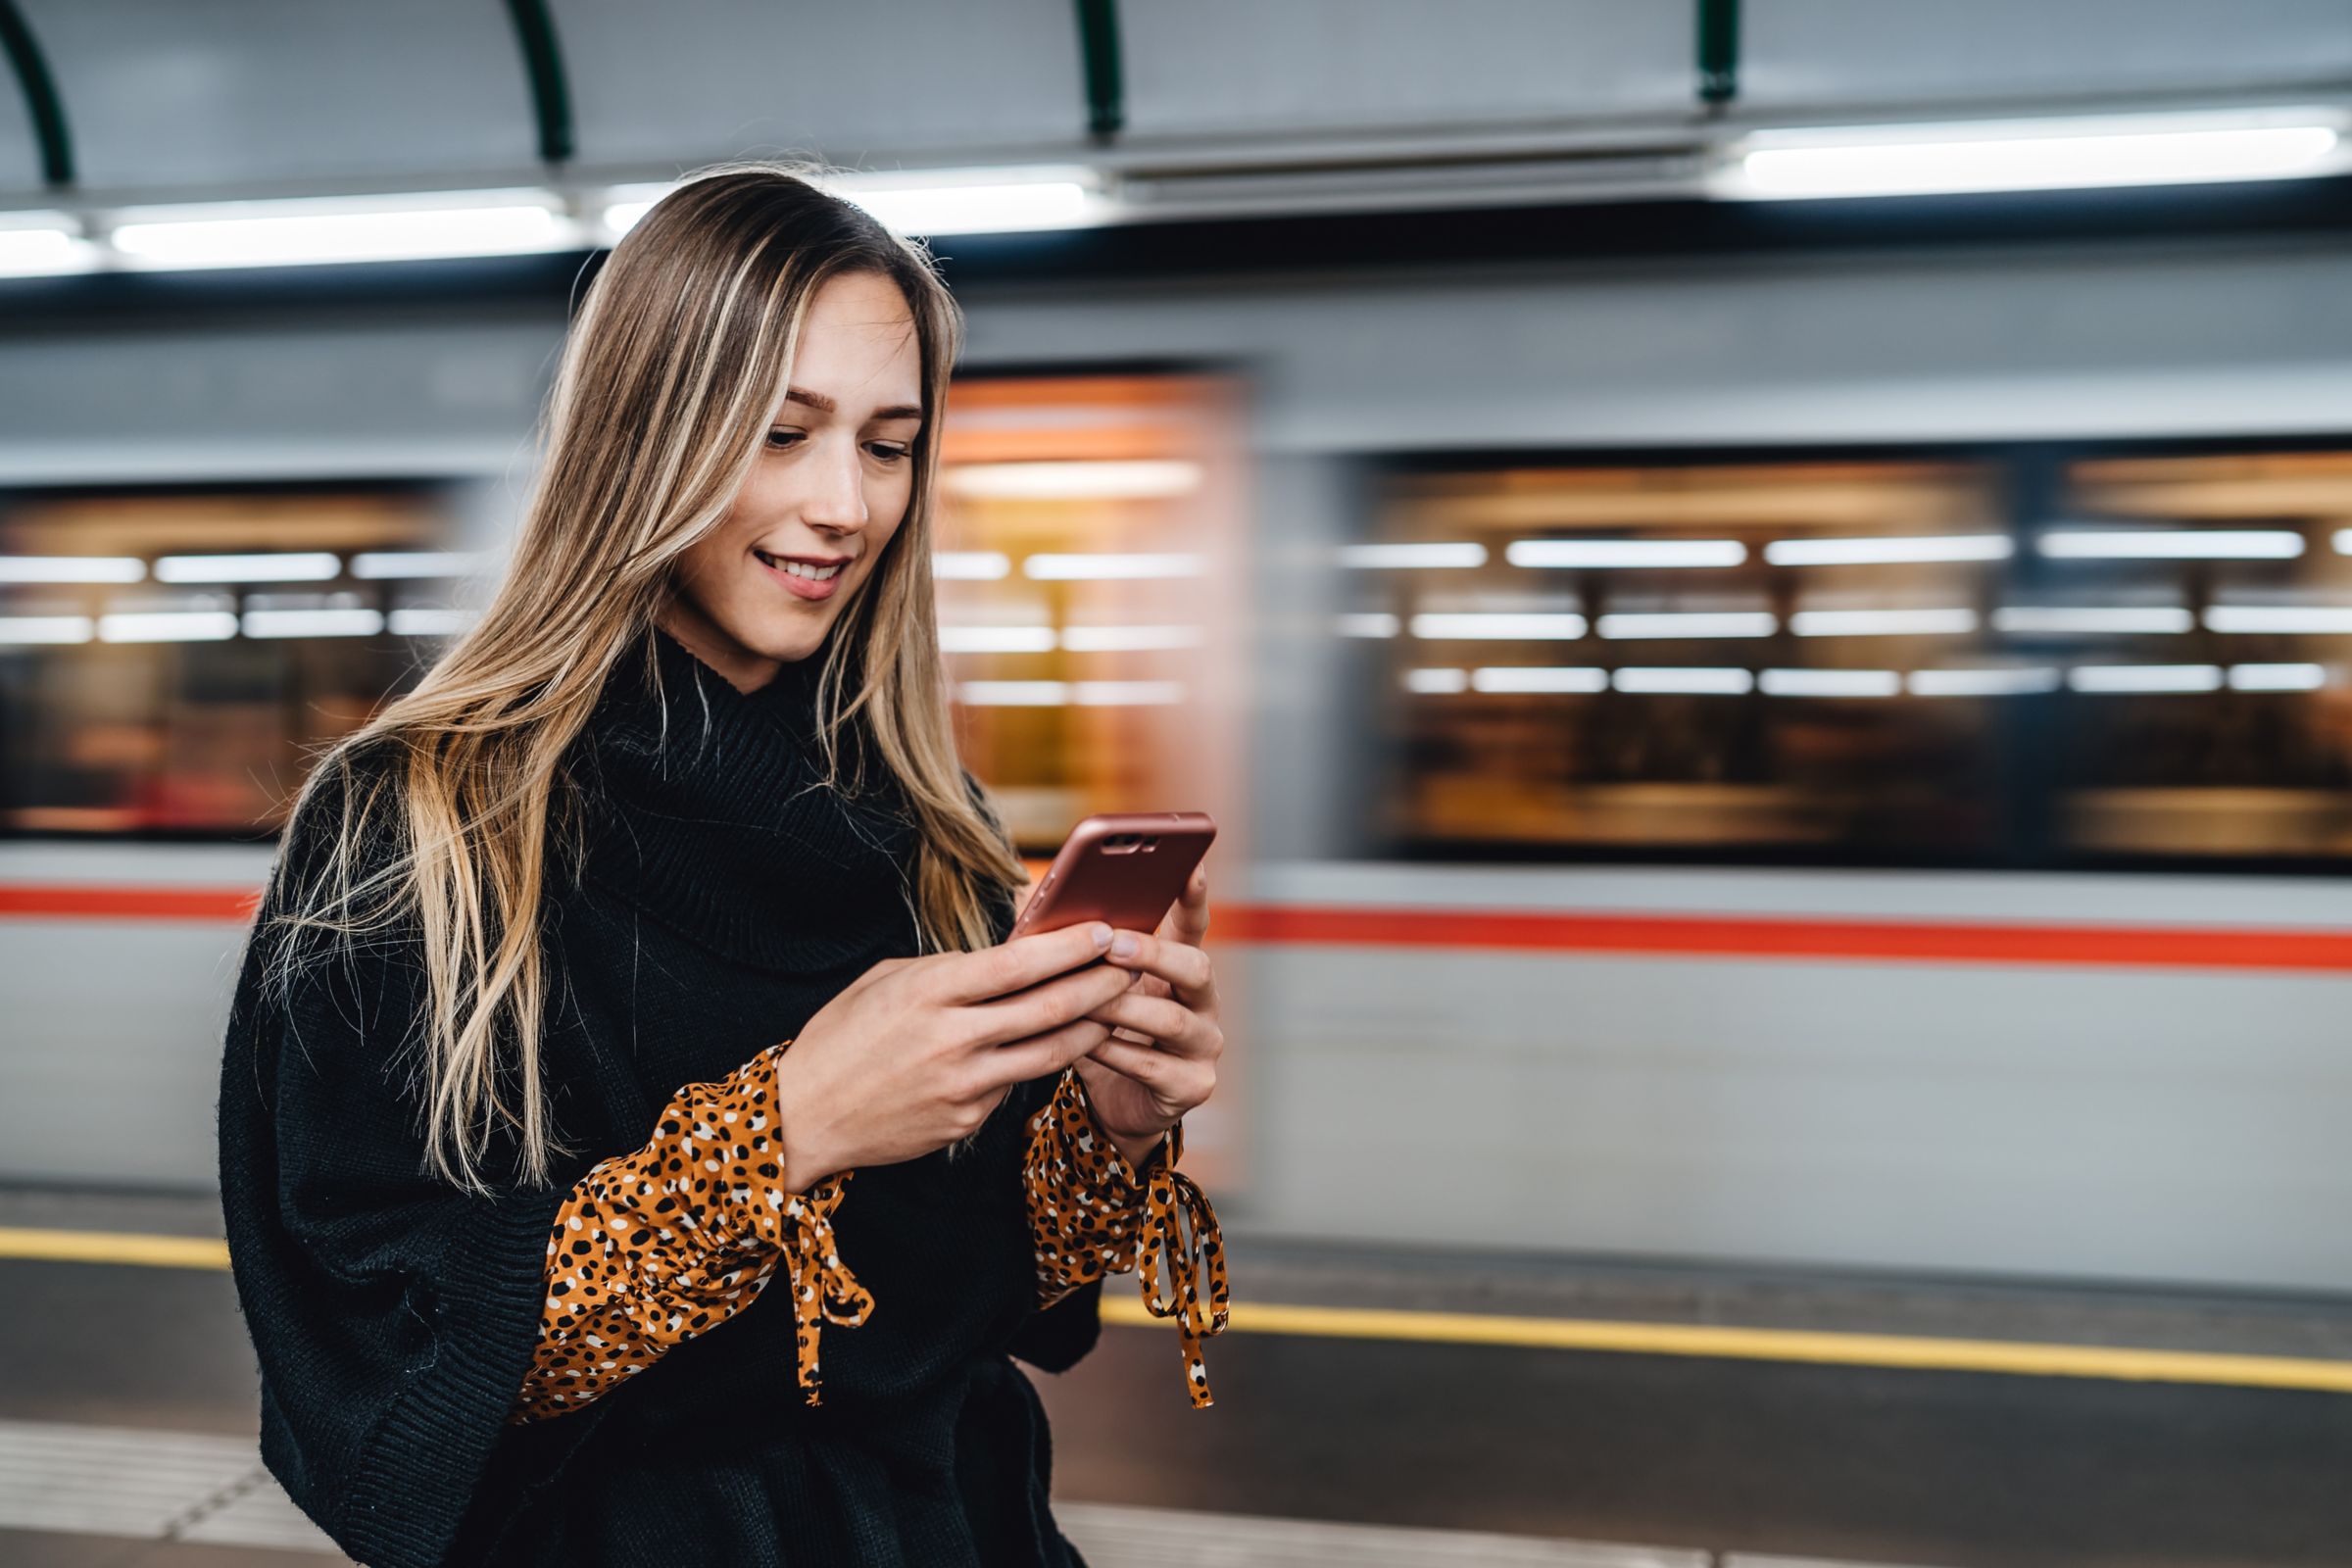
(1829, 760)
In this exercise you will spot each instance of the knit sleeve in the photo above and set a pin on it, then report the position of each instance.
(1091, 1213)
(665, 1243)
(392, 1313)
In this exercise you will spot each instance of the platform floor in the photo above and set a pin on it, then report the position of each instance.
(1344, 1440)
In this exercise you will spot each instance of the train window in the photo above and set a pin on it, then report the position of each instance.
(2222, 725)
(2027, 659)
(1087, 522)
(167, 658)
(170, 660)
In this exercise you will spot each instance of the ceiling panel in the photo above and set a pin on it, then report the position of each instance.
(1802, 54)
(236, 92)
(1246, 67)
(687, 82)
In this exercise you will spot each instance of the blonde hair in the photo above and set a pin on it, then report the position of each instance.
(671, 378)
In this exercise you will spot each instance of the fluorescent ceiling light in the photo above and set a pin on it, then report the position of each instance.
(1436, 682)
(1608, 555)
(168, 626)
(72, 569)
(285, 566)
(2278, 677)
(2310, 621)
(1690, 624)
(2063, 621)
(1367, 623)
(2046, 154)
(312, 623)
(996, 639)
(44, 245)
(428, 620)
(969, 565)
(1887, 550)
(2171, 544)
(379, 565)
(1832, 683)
(1499, 626)
(1127, 693)
(1128, 639)
(976, 201)
(2145, 677)
(1982, 682)
(1073, 481)
(1883, 622)
(1106, 568)
(1538, 678)
(1429, 556)
(45, 629)
(1697, 682)
(1014, 693)
(322, 231)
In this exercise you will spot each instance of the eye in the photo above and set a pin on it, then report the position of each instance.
(889, 451)
(778, 440)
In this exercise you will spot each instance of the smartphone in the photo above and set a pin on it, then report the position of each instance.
(1124, 867)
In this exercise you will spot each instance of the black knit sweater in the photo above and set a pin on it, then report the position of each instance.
(724, 897)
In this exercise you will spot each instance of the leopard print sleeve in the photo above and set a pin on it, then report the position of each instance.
(667, 1242)
(1090, 1213)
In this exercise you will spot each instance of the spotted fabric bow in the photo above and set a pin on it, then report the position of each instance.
(1181, 1227)
(823, 1290)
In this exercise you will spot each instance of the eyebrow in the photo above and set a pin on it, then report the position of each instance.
(826, 405)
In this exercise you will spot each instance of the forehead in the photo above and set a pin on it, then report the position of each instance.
(859, 345)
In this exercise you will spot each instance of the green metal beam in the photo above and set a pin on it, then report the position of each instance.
(550, 95)
(1099, 53)
(1718, 51)
(41, 102)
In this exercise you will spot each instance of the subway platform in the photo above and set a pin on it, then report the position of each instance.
(1383, 1408)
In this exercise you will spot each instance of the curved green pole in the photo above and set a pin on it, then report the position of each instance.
(550, 95)
(41, 96)
(1098, 54)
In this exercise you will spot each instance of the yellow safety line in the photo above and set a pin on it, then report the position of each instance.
(2018, 1357)
(2021, 1358)
(112, 1247)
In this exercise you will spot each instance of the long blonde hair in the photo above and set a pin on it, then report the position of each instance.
(671, 378)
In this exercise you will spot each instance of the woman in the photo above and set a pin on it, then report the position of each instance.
(629, 1015)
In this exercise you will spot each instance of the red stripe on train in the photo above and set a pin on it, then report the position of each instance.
(1670, 935)
(96, 902)
(1889, 941)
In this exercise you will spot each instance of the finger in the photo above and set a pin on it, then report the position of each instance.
(1020, 963)
(1176, 1027)
(1185, 967)
(1043, 1007)
(1176, 1085)
(1045, 1054)
(1188, 921)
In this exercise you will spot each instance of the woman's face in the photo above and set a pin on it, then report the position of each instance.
(829, 487)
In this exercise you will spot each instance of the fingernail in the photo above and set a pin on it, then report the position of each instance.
(1101, 935)
(1125, 948)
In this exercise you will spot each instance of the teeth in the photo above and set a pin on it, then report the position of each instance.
(799, 569)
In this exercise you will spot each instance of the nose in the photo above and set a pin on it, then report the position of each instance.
(836, 499)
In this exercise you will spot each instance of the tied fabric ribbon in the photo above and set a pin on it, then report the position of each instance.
(823, 1290)
(1181, 1227)
(1090, 1214)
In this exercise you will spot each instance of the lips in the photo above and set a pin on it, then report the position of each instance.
(809, 588)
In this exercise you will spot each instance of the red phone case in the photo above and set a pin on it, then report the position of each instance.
(1124, 867)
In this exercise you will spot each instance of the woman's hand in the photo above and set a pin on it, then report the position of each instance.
(916, 1052)
(1142, 1086)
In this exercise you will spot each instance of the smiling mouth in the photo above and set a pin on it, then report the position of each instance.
(799, 567)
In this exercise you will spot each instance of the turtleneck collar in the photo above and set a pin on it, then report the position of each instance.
(706, 807)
